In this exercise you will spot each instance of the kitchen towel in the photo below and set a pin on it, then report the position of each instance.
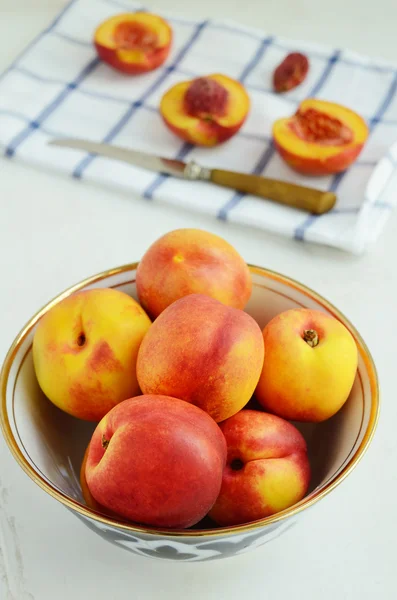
(59, 88)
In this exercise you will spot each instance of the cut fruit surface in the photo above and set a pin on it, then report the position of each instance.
(228, 102)
(134, 42)
(321, 138)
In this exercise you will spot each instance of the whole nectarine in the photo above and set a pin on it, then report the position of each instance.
(156, 460)
(267, 468)
(191, 261)
(203, 352)
(85, 350)
(309, 367)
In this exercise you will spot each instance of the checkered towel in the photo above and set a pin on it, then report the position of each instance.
(59, 88)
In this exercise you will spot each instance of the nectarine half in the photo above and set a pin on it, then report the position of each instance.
(321, 138)
(134, 43)
(205, 111)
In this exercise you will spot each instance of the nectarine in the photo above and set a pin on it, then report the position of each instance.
(321, 138)
(203, 352)
(267, 468)
(190, 261)
(309, 367)
(85, 350)
(134, 43)
(156, 460)
(206, 111)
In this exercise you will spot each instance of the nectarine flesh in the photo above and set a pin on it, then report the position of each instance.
(134, 43)
(206, 111)
(321, 138)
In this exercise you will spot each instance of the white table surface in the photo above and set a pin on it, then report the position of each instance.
(344, 547)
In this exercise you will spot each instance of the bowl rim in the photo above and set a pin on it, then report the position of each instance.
(86, 511)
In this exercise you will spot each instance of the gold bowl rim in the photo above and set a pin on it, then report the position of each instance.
(85, 511)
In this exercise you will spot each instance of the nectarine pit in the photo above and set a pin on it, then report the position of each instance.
(133, 36)
(291, 72)
(317, 127)
(206, 97)
(311, 337)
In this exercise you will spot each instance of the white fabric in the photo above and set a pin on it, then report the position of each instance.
(58, 87)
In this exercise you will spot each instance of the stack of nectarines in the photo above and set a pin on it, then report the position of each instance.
(175, 440)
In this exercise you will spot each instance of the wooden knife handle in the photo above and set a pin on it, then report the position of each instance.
(297, 196)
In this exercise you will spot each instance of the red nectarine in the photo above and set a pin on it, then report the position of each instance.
(156, 460)
(191, 261)
(267, 468)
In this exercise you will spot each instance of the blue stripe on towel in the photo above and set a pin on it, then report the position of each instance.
(235, 199)
(148, 193)
(326, 73)
(43, 33)
(50, 108)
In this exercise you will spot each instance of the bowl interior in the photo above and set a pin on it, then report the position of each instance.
(51, 444)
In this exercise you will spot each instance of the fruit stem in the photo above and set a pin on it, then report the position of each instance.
(105, 442)
(311, 337)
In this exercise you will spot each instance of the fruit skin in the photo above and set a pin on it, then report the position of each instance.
(302, 383)
(206, 129)
(87, 380)
(189, 261)
(156, 460)
(203, 352)
(88, 497)
(313, 158)
(274, 470)
(133, 61)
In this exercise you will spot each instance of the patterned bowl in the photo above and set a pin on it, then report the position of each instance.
(49, 445)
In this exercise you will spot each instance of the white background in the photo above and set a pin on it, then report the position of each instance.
(54, 232)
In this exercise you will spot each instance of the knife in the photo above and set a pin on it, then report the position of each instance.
(290, 194)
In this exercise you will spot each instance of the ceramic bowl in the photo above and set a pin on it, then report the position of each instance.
(49, 445)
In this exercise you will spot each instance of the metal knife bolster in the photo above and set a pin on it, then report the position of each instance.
(169, 166)
(196, 172)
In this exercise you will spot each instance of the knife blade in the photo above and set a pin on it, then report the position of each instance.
(290, 194)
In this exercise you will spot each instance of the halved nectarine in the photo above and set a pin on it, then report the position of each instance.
(206, 111)
(134, 42)
(320, 138)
